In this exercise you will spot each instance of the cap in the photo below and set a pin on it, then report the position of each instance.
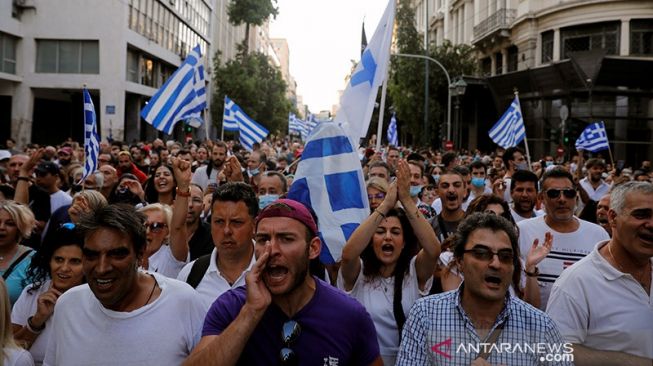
(4, 155)
(67, 149)
(48, 167)
(289, 208)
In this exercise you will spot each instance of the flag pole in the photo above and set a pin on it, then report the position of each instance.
(609, 149)
(528, 153)
(379, 129)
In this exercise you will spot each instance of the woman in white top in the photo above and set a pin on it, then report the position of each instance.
(55, 268)
(12, 355)
(167, 243)
(383, 267)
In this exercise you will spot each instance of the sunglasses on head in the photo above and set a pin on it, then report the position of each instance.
(555, 193)
(481, 252)
(289, 333)
(155, 227)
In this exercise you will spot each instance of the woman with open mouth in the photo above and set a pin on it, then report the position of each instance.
(55, 268)
(160, 187)
(384, 268)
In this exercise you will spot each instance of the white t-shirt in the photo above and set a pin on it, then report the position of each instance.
(517, 217)
(163, 262)
(567, 249)
(59, 199)
(595, 194)
(201, 179)
(598, 306)
(437, 203)
(161, 333)
(25, 307)
(213, 284)
(17, 357)
(376, 296)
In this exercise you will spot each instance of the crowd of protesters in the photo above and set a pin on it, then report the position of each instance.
(191, 253)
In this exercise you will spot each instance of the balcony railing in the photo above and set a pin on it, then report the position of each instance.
(502, 19)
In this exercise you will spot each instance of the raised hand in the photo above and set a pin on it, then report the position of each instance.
(538, 252)
(258, 295)
(233, 170)
(182, 171)
(28, 167)
(403, 181)
(45, 306)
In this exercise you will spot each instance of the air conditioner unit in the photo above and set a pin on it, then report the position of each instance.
(24, 4)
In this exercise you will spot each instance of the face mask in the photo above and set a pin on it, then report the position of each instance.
(436, 178)
(266, 199)
(478, 182)
(521, 166)
(414, 190)
(253, 172)
(548, 163)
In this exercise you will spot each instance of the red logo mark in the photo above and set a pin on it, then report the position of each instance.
(447, 347)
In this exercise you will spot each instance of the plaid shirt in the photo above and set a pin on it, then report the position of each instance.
(439, 332)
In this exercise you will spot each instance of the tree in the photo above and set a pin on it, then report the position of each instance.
(406, 83)
(256, 86)
(250, 12)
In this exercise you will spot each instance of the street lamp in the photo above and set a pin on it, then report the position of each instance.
(458, 89)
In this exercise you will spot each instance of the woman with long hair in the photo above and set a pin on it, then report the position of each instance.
(55, 268)
(12, 354)
(160, 187)
(16, 223)
(383, 266)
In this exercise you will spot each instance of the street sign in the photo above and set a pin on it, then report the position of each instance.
(560, 151)
(448, 145)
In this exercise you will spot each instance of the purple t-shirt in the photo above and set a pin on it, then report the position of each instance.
(335, 329)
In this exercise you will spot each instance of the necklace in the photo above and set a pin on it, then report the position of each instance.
(641, 278)
(151, 292)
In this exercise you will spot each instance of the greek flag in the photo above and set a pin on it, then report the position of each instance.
(295, 125)
(509, 130)
(393, 138)
(593, 138)
(329, 179)
(234, 119)
(309, 126)
(91, 138)
(182, 97)
(357, 101)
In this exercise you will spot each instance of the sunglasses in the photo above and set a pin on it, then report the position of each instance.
(483, 253)
(377, 196)
(289, 333)
(155, 227)
(68, 226)
(555, 193)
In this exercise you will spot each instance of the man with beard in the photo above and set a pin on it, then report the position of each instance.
(233, 210)
(573, 238)
(594, 184)
(122, 316)
(451, 189)
(65, 156)
(209, 173)
(125, 165)
(523, 190)
(318, 324)
(513, 160)
(603, 303)
(392, 159)
(481, 309)
(602, 208)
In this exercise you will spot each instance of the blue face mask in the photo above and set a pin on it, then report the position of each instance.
(478, 182)
(521, 166)
(414, 190)
(266, 199)
(253, 172)
(548, 163)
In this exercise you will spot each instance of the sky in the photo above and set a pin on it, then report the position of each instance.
(323, 36)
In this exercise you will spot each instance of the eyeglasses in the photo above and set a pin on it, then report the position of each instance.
(377, 196)
(555, 193)
(155, 227)
(289, 334)
(483, 253)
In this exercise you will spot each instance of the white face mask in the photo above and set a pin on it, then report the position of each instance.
(266, 199)
(414, 190)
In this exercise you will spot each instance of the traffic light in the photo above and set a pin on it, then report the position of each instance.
(188, 129)
(554, 135)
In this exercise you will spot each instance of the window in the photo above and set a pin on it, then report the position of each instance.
(498, 61)
(132, 66)
(589, 37)
(67, 57)
(7, 53)
(641, 37)
(513, 58)
(486, 66)
(547, 47)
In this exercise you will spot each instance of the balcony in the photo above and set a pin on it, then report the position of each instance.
(496, 24)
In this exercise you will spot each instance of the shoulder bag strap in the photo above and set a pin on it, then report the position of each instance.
(15, 263)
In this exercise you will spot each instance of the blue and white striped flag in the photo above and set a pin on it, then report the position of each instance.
(296, 125)
(91, 138)
(393, 137)
(509, 130)
(329, 179)
(309, 126)
(358, 99)
(593, 138)
(182, 97)
(234, 119)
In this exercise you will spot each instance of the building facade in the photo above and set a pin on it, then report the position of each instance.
(588, 57)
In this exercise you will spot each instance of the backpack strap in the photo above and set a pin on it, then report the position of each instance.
(198, 270)
(13, 265)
